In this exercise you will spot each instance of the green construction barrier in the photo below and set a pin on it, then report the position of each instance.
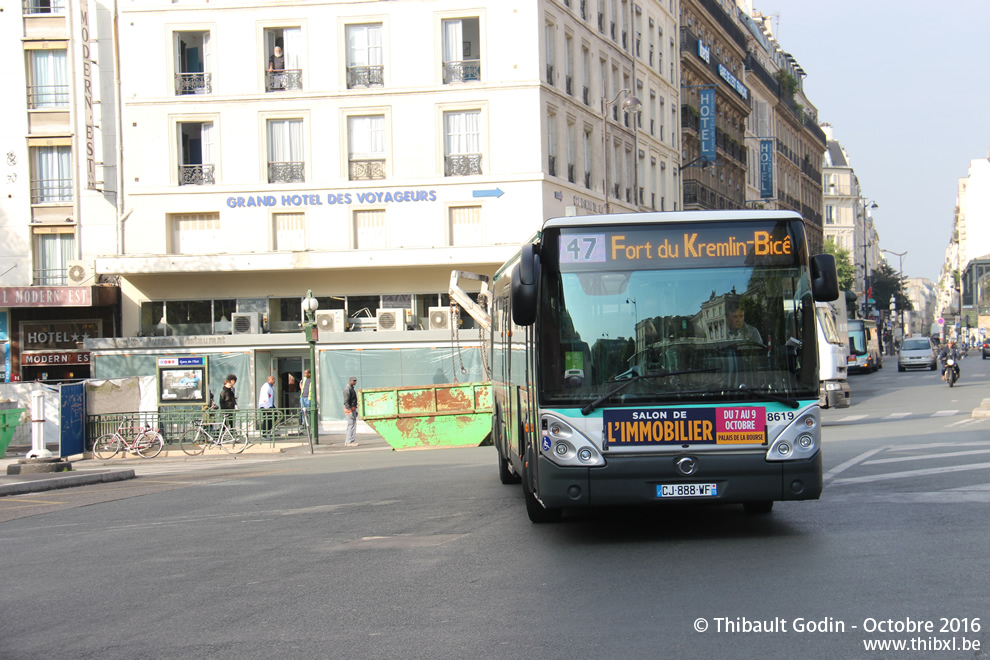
(448, 415)
(9, 421)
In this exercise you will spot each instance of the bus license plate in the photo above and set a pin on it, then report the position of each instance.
(687, 490)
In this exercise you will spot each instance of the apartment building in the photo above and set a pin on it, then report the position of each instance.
(60, 204)
(363, 151)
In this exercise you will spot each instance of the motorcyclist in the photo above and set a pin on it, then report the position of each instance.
(949, 350)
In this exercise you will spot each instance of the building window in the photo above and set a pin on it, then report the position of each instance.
(32, 7)
(462, 143)
(160, 318)
(289, 231)
(283, 63)
(829, 214)
(52, 251)
(194, 233)
(51, 175)
(569, 64)
(571, 153)
(587, 158)
(550, 34)
(365, 63)
(465, 226)
(286, 161)
(461, 50)
(369, 230)
(366, 147)
(48, 85)
(552, 144)
(191, 71)
(196, 154)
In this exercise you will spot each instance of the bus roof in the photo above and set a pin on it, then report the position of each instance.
(668, 216)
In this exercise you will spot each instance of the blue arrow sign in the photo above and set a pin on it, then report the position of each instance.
(488, 193)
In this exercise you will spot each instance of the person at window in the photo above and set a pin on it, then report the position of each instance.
(739, 329)
(276, 66)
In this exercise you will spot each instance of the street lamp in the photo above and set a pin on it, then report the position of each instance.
(867, 206)
(310, 305)
(629, 104)
(900, 270)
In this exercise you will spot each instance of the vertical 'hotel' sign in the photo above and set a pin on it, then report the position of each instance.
(87, 69)
(766, 169)
(706, 108)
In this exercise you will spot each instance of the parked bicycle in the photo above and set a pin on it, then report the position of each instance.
(206, 434)
(145, 441)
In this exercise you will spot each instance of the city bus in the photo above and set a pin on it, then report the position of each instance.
(864, 346)
(659, 357)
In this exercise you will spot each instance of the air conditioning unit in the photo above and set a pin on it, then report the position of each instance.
(246, 323)
(439, 318)
(390, 320)
(331, 320)
(81, 272)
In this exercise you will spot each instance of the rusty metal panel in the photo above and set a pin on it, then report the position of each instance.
(416, 401)
(453, 398)
(377, 403)
(483, 397)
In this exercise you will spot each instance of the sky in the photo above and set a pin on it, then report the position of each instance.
(906, 87)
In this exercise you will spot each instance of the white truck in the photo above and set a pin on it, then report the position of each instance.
(833, 353)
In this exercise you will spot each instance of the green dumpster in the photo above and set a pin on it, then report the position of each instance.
(9, 421)
(449, 415)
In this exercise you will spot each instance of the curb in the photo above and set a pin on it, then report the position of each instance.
(67, 481)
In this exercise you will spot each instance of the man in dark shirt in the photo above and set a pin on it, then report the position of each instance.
(350, 411)
(228, 400)
(276, 67)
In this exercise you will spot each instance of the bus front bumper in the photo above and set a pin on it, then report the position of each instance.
(633, 480)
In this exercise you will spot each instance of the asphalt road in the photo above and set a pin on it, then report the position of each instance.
(423, 554)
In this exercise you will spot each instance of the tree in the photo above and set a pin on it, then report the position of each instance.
(843, 264)
(886, 282)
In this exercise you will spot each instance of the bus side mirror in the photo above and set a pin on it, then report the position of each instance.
(525, 277)
(824, 279)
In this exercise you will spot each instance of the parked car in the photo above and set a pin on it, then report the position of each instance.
(985, 348)
(917, 353)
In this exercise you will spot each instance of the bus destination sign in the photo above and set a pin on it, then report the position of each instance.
(663, 247)
(737, 425)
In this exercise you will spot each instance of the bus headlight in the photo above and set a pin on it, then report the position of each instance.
(798, 440)
(567, 446)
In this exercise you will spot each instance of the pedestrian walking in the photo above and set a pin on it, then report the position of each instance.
(350, 411)
(304, 388)
(228, 399)
(266, 401)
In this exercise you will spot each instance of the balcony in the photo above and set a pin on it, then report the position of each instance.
(196, 175)
(365, 76)
(284, 80)
(51, 191)
(462, 164)
(47, 96)
(550, 78)
(615, 190)
(584, 12)
(193, 83)
(286, 172)
(366, 170)
(552, 165)
(569, 85)
(461, 71)
(50, 277)
(587, 180)
(571, 173)
(586, 96)
(42, 7)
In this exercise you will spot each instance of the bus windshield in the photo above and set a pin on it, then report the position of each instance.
(857, 338)
(694, 334)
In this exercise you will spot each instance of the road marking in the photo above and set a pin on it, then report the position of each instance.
(966, 421)
(901, 459)
(936, 445)
(897, 415)
(945, 413)
(848, 464)
(909, 474)
(851, 418)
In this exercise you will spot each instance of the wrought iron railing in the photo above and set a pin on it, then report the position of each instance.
(552, 165)
(587, 180)
(193, 83)
(50, 276)
(47, 96)
(571, 177)
(365, 76)
(360, 170)
(284, 80)
(196, 175)
(569, 85)
(586, 95)
(550, 78)
(34, 7)
(286, 172)
(461, 71)
(462, 164)
(50, 191)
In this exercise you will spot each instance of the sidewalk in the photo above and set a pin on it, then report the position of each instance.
(87, 471)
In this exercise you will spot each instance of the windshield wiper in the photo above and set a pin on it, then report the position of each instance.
(626, 383)
(756, 394)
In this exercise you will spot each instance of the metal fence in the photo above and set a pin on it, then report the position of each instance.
(178, 422)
